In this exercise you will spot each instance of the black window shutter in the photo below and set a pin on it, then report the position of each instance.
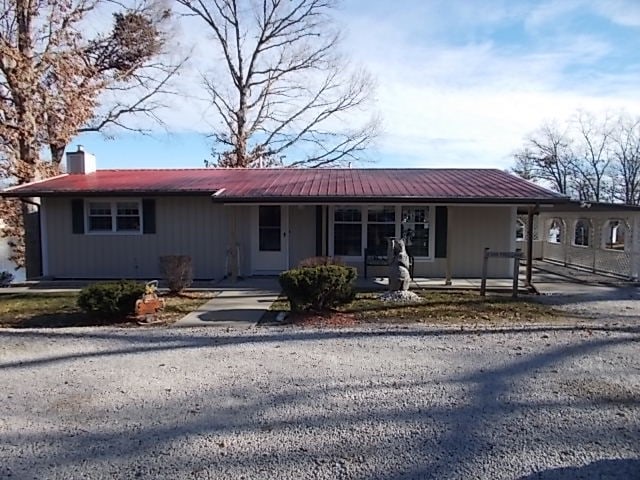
(441, 232)
(149, 215)
(77, 215)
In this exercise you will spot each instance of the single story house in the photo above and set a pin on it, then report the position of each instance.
(117, 223)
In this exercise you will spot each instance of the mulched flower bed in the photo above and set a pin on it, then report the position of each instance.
(329, 319)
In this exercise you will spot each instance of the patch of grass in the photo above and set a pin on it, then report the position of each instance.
(179, 305)
(444, 307)
(52, 310)
(40, 309)
(281, 304)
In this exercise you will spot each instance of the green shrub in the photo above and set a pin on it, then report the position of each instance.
(318, 288)
(110, 299)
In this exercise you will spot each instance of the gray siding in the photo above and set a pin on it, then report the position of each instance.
(302, 233)
(184, 226)
(475, 228)
(242, 216)
(197, 227)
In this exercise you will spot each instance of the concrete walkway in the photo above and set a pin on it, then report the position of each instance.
(239, 305)
(552, 280)
(550, 270)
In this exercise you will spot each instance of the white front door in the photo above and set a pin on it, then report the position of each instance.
(269, 239)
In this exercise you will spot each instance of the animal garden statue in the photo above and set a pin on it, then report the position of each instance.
(399, 276)
(149, 304)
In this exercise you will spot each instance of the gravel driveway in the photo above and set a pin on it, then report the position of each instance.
(383, 402)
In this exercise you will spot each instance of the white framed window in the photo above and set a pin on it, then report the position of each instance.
(381, 224)
(347, 231)
(581, 233)
(355, 228)
(415, 229)
(113, 216)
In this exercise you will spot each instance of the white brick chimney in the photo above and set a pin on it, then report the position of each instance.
(80, 162)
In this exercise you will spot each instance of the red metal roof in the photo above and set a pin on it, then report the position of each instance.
(291, 185)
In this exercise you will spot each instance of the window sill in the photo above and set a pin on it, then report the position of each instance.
(116, 234)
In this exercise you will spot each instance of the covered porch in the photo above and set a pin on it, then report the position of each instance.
(446, 241)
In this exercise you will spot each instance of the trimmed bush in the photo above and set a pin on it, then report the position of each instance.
(177, 272)
(316, 261)
(318, 288)
(111, 299)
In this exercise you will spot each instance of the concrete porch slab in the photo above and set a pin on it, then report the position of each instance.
(493, 284)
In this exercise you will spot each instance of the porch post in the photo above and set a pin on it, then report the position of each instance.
(232, 253)
(635, 247)
(530, 212)
(325, 230)
(447, 280)
(595, 241)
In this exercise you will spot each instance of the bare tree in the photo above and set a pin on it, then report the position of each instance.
(525, 164)
(53, 78)
(283, 88)
(547, 156)
(592, 155)
(626, 159)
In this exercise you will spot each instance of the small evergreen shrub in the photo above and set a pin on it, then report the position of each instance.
(177, 272)
(316, 261)
(110, 299)
(318, 288)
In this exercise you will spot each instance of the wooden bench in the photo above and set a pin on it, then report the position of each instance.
(375, 258)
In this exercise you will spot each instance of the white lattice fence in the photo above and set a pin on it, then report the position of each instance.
(599, 255)
(580, 256)
(617, 263)
(554, 251)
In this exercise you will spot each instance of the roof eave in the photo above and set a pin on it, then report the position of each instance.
(108, 193)
(395, 199)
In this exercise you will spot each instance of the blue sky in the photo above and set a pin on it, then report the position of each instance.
(459, 83)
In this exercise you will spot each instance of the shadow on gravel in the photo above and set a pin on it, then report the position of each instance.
(612, 294)
(157, 341)
(452, 437)
(619, 468)
(467, 440)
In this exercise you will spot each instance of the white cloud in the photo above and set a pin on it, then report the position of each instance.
(472, 104)
(622, 12)
(447, 101)
(551, 12)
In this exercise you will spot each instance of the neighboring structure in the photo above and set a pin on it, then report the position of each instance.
(600, 237)
(6, 264)
(117, 223)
